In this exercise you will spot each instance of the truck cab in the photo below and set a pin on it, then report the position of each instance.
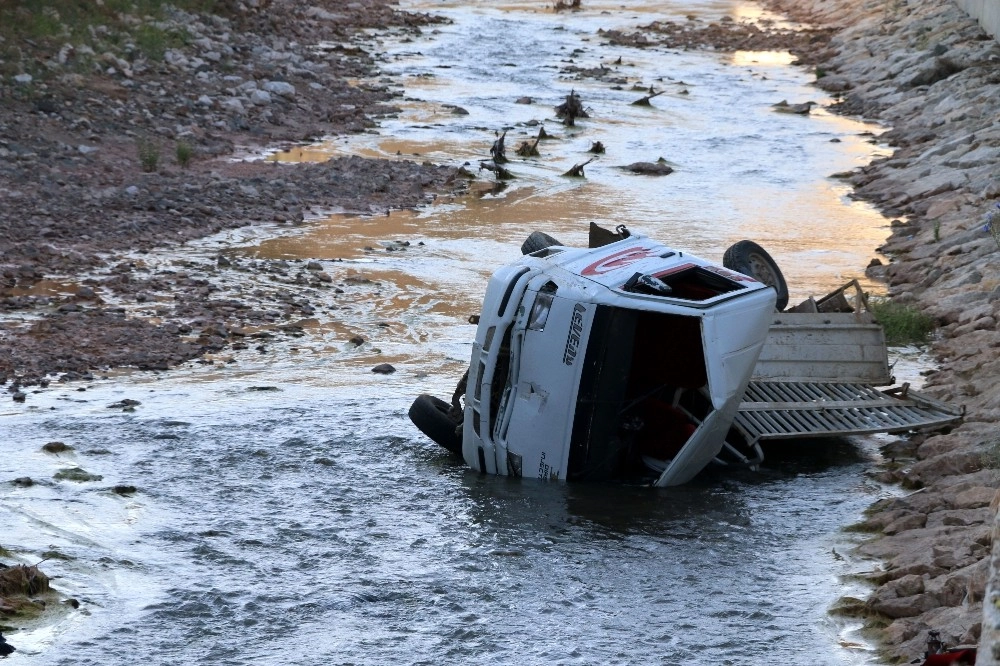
(623, 361)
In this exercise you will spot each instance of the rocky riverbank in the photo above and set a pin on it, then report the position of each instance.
(108, 149)
(930, 74)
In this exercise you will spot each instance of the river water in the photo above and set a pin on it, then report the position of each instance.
(286, 510)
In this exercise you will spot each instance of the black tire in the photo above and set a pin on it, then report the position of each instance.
(431, 416)
(537, 240)
(750, 259)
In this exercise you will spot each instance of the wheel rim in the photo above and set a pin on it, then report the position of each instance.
(762, 271)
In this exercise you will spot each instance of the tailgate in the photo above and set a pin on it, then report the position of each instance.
(781, 410)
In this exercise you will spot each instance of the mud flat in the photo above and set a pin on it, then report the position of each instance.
(932, 75)
(107, 151)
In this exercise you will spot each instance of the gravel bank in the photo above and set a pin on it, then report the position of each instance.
(106, 151)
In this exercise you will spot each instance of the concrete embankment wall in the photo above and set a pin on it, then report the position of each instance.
(987, 12)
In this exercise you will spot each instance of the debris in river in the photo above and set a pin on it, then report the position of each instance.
(528, 149)
(645, 100)
(571, 109)
(524, 100)
(498, 171)
(384, 369)
(577, 170)
(597, 148)
(658, 168)
(497, 151)
(5, 647)
(566, 4)
(122, 489)
(802, 109)
(126, 405)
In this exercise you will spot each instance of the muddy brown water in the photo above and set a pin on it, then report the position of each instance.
(286, 510)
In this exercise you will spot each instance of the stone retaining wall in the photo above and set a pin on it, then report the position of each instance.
(987, 12)
(989, 641)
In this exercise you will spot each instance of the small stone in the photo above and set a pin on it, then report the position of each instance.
(281, 88)
(56, 447)
(123, 404)
(76, 474)
(383, 369)
(260, 98)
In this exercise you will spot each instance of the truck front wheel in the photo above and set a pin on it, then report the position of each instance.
(431, 416)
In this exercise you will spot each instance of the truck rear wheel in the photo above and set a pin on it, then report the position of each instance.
(432, 417)
(750, 259)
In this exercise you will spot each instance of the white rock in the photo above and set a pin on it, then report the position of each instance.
(65, 53)
(260, 97)
(205, 100)
(978, 157)
(175, 58)
(86, 150)
(234, 105)
(23, 79)
(280, 88)
(322, 14)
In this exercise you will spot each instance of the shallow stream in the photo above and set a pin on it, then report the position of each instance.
(286, 510)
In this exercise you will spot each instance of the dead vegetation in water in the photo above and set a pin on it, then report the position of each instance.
(498, 171)
(528, 148)
(644, 101)
(577, 170)
(563, 5)
(571, 109)
(18, 584)
(498, 150)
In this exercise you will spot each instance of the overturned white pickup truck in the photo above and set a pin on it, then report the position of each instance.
(632, 360)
